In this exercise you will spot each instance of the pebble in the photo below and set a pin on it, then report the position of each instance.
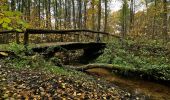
(41, 89)
(74, 94)
(42, 93)
(22, 86)
(5, 96)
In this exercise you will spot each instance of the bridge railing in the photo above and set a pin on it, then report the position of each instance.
(97, 36)
(10, 36)
(79, 35)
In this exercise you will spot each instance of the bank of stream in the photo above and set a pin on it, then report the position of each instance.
(151, 89)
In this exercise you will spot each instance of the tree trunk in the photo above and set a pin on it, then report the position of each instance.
(60, 13)
(154, 19)
(93, 16)
(28, 10)
(99, 20)
(73, 13)
(124, 20)
(46, 13)
(131, 15)
(13, 6)
(65, 14)
(69, 14)
(85, 14)
(99, 15)
(39, 13)
(49, 14)
(80, 14)
(106, 15)
(165, 21)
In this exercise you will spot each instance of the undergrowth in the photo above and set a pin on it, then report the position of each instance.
(36, 61)
(152, 60)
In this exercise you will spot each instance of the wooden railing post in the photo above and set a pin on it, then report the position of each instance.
(98, 38)
(17, 37)
(26, 38)
(61, 37)
(78, 38)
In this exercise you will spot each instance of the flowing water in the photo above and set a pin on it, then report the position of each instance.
(154, 90)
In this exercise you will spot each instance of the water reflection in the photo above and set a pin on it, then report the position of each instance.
(136, 86)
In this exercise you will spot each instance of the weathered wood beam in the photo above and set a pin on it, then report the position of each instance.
(12, 31)
(72, 46)
(26, 38)
(44, 31)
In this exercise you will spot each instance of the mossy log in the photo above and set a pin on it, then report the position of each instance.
(92, 66)
(115, 69)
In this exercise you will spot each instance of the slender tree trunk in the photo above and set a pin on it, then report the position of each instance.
(99, 15)
(60, 12)
(73, 13)
(39, 13)
(23, 5)
(46, 13)
(165, 21)
(19, 5)
(124, 18)
(85, 14)
(106, 15)
(146, 19)
(13, 6)
(154, 19)
(65, 15)
(99, 20)
(93, 16)
(49, 14)
(69, 14)
(124, 21)
(43, 14)
(28, 10)
(80, 14)
(131, 15)
(56, 14)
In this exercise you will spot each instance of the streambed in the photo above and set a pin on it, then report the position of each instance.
(150, 89)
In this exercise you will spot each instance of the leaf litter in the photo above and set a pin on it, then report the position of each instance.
(28, 84)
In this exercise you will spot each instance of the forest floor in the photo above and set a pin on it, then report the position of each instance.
(40, 84)
(33, 77)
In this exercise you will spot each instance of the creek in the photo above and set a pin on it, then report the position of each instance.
(153, 90)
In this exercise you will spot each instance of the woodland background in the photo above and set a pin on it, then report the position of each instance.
(137, 19)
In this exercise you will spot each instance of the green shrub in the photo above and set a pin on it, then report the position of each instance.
(16, 48)
(19, 49)
(141, 59)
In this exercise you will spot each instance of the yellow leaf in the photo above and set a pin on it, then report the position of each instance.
(7, 20)
(4, 54)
